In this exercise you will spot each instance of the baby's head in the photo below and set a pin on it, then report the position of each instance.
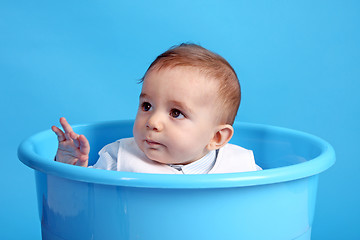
(188, 103)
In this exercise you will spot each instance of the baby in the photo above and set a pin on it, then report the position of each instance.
(188, 103)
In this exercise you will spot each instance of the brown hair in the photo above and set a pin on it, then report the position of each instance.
(213, 66)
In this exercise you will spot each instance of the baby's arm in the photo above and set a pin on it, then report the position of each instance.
(73, 148)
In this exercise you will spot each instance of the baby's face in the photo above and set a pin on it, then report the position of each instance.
(176, 118)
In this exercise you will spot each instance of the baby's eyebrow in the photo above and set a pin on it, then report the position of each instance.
(175, 103)
(181, 105)
(143, 95)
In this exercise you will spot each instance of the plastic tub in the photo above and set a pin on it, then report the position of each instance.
(276, 203)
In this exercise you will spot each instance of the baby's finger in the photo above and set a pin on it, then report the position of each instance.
(75, 138)
(84, 145)
(67, 136)
(66, 126)
(82, 162)
(59, 133)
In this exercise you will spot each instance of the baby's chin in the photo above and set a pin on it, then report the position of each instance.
(161, 161)
(167, 161)
(164, 161)
(156, 157)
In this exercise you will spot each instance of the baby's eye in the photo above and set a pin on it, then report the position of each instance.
(175, 113)
(145, 106)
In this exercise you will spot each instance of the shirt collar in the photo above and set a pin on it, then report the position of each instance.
(201, 166)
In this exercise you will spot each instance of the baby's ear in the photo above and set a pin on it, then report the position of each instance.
(223, 134)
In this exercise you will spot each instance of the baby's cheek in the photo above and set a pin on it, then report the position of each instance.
(137, 136)
(137, 128)
(185, 149)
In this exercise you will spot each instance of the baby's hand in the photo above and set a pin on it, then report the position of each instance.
(73, 148)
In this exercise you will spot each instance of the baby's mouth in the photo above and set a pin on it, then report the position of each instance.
(152, 143)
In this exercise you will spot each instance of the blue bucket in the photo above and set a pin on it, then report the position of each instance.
(276, 203)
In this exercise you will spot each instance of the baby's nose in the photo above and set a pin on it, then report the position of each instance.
(155, 123)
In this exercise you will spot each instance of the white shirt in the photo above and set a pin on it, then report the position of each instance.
(125, 155)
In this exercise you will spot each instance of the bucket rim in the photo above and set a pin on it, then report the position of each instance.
(314, 166)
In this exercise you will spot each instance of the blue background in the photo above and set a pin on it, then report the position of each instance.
(298, 63)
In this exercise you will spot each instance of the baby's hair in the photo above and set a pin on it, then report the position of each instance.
(213, 66)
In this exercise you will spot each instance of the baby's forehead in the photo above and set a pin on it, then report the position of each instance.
(198, 75)
(183, 78)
